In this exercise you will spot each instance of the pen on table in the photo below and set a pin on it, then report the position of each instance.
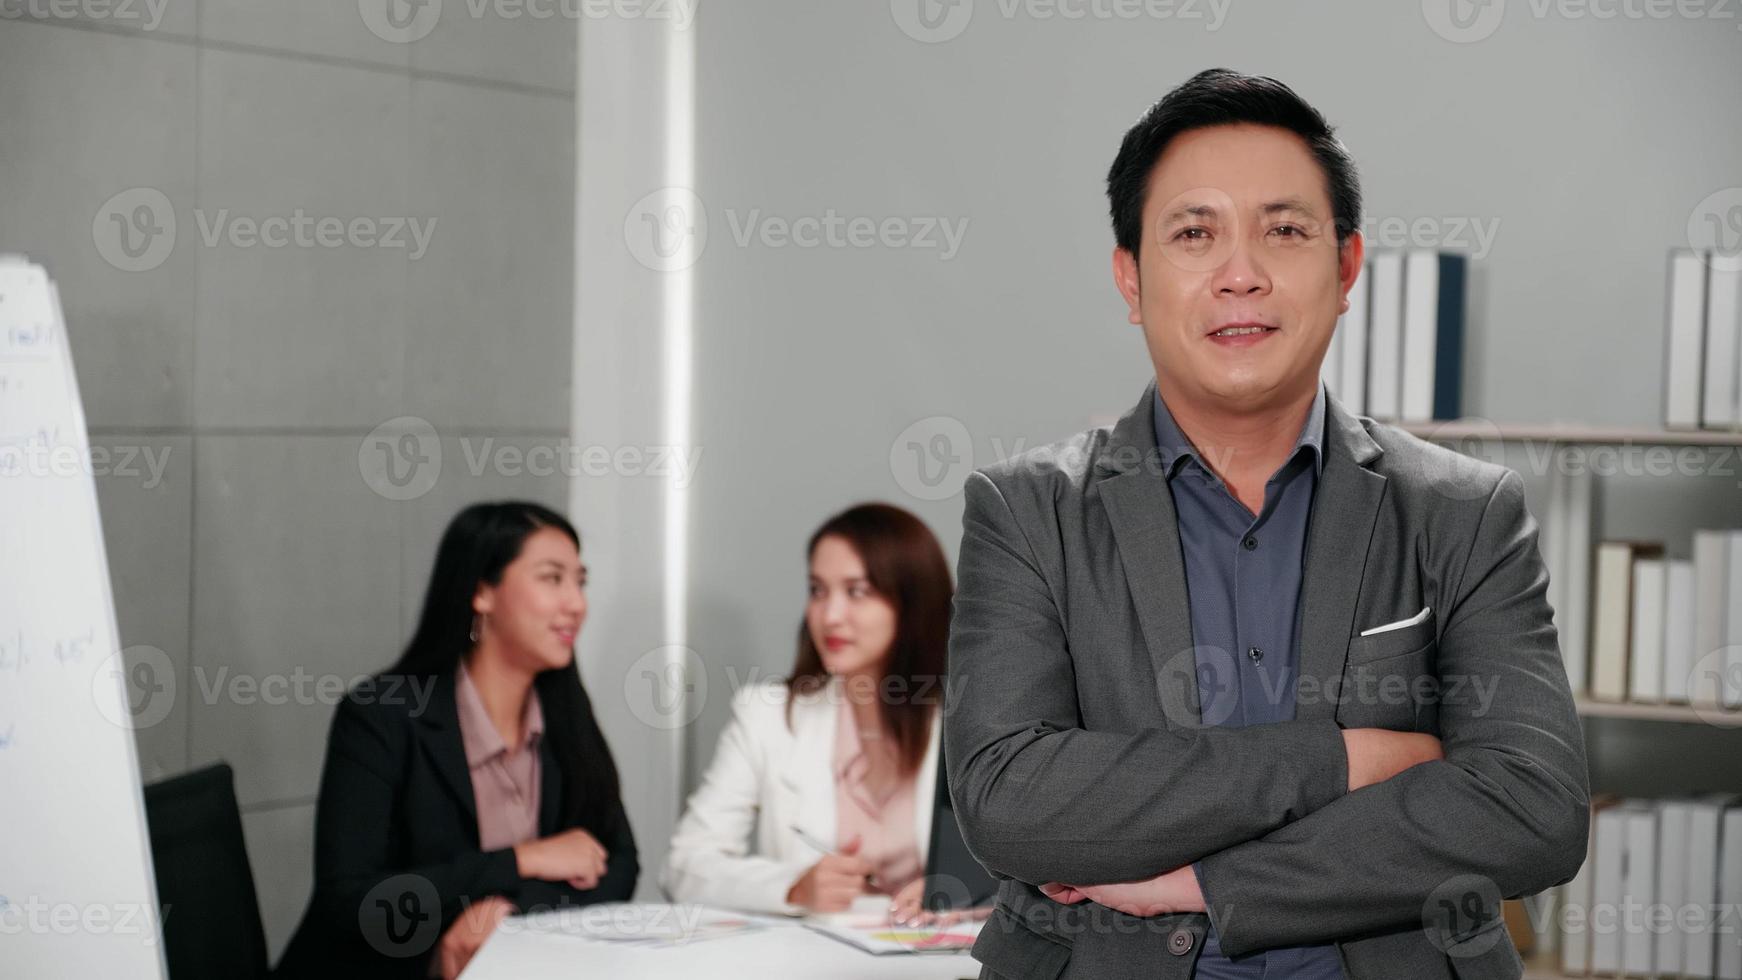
(870, 880)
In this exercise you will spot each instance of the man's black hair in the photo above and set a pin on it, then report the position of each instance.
(1218, 97)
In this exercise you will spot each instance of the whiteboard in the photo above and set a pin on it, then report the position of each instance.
(76, 889)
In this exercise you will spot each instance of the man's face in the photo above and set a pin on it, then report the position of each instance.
(1237, 230)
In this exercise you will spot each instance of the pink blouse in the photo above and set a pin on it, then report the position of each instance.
(505, 782)
(883, 822)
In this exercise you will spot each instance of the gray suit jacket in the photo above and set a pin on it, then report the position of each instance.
(1076, 751)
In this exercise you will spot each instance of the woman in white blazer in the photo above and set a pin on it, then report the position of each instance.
(821, 788)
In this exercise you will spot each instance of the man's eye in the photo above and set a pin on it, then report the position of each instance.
(1290, 231)
(1193, 234)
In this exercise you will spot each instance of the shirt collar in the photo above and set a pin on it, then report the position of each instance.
(1176, 449)
(483, 742)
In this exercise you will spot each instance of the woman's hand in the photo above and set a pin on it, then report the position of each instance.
(830, 885)
(574, 856)
(467, 933)
(907, 909)
(1175, 891)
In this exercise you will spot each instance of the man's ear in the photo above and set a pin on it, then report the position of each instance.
(1129, 282)
(1351, 253)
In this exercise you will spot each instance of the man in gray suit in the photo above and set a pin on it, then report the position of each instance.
(1245, 685)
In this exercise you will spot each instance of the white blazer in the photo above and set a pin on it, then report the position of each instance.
(762, 769)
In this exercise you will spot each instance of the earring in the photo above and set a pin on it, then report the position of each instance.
(474, 633)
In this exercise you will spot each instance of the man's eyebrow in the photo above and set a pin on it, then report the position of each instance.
(1288, 204)
(1279, 206)
(1188, 211)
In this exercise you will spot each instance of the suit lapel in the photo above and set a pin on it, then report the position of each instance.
(439, 730)
(1345, 507)
(1146, 531)
(1145, 527)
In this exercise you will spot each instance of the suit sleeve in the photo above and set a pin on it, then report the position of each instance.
(710, 860)
(359, 890)
(622, 870)
(1041, 799)
(1509, 803)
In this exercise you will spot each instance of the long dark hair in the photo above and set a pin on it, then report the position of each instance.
(906, 566)
(479, 543)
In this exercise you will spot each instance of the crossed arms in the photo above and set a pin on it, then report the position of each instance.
(1291, 823)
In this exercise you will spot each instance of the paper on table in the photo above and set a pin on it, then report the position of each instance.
(868, 926)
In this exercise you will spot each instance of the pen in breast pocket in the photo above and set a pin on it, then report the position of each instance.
(870, 880)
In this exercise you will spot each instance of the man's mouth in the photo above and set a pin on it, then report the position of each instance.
(1243, 330)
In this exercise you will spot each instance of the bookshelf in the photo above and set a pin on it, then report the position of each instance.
(1545, 965)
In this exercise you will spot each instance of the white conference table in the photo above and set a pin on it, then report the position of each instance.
(548, 945)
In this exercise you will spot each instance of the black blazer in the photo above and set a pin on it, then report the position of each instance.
(397, 857)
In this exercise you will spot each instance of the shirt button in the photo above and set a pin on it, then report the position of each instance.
(1256, 654)
(1250, 543)
(1180, 943)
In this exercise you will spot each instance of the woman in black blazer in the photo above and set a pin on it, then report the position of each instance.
(403, 887)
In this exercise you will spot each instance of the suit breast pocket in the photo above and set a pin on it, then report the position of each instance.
(1391, 681)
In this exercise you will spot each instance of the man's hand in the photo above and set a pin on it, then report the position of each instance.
(1377, 754)
(468, 932)
(1175, 891)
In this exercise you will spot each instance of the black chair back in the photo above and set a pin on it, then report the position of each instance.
(211, 924)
